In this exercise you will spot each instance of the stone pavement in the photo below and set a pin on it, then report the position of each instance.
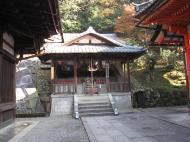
(145, 125)
(50, 129)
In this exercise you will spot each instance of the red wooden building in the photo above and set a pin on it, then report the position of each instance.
(23, 26)
(173, 19)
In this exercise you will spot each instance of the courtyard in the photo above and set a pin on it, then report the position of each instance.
(169, 124)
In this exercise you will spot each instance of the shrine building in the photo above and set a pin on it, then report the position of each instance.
(88, 67)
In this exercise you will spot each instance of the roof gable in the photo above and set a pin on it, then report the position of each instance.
(92, 37)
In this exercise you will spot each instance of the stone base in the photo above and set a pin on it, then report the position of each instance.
(61, 104)
(123, 102)
(6, 123)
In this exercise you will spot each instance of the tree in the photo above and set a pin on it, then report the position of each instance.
(150, 65)
(125, 26)
(78, 15)
(125, 23)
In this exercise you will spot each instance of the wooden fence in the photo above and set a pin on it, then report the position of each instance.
(102, 88)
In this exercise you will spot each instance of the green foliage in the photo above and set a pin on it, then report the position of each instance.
(150, 61)
(160, 92)
(169, 56)
(78, 15)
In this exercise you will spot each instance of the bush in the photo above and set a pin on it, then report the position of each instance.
(162, 97)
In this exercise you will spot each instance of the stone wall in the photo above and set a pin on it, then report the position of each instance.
(44, 87)
(31, 75)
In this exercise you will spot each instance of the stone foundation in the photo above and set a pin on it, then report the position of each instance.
(61, 104)
(123, 102)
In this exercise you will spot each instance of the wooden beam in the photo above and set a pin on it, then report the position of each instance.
(7, 106)
(172, 19)
(19, 31)
(59, 21)
(20, 15)
(52, 14)
(29, 3)
(28, 57)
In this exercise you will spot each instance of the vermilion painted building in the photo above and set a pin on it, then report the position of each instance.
(172, 21)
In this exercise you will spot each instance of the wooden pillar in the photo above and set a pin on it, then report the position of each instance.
(107, 75)
(75, 76)
(14, 90)
(187, 61)
(52, 71)
(14, 83)
(1, 62)
(123, 70)
(1, 68)
(53, 76)
(128, 76)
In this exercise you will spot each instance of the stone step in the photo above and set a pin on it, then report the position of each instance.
(94, 106)
(89, 110)
(96, 114)
(93, 99)
(93, 102)
(98, 105)
(91, 96)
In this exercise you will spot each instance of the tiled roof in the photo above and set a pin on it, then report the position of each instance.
(60, 48)
(143, 6)
(70, 38)
(91, 31)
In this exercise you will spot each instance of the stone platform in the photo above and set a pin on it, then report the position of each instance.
(62, 104)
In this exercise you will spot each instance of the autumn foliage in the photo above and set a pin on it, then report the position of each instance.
(125, 23)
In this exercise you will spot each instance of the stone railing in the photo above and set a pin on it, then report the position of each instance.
(76, 111)
(113, 104)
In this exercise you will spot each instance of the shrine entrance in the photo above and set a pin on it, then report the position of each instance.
(87, 77)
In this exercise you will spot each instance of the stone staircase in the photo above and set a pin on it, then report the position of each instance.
(97, 105)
